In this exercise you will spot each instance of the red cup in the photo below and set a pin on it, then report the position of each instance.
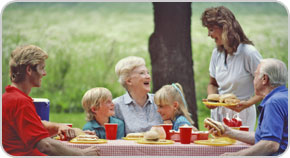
(244, 128)
(69, 124)
(111, 130)
(167, 128)
(64, 134)
(185, 135)
(193, 138)
(175, 136)
(202, 136)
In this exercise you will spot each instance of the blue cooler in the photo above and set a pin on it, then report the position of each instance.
(42, 108)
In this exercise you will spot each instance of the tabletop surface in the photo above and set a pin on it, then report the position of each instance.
(132, 148)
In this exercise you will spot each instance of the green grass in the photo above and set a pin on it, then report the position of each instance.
(85, 40)
(77, 119)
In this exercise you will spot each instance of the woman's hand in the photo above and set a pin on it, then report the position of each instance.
(211, 106)
(239, 107)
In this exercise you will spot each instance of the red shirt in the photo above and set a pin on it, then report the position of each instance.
(21, 126)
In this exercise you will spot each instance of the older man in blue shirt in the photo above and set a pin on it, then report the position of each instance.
(271, 136)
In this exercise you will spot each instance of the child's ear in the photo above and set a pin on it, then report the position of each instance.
(175, 105)
(93, 109)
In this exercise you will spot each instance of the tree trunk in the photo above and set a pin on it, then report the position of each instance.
(170, 50)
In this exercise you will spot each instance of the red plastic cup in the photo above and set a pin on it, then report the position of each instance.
(202, 136)
(111, 130)
(69, 124)
(244, 128)
(185, 135)
(167, 128)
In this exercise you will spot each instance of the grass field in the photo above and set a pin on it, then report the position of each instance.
(85, 40)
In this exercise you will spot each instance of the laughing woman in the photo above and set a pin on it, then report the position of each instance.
(136, 107)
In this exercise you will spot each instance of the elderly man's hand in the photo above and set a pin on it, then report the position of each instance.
(214, 132)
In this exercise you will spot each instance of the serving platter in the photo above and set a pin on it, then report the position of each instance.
(217, 104)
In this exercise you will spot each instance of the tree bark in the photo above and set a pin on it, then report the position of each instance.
(170, 50)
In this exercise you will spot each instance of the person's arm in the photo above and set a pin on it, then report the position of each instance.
(263, 147)
(247, 137)
(64, 131)
(245, 104)
(212, 88)
(53, 147)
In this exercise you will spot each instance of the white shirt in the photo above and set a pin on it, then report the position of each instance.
(236, 76)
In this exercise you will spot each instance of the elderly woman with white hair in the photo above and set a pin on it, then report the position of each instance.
(136, 107)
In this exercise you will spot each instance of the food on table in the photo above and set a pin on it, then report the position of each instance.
(216, 125)
(160, 130)
(213, 98)
(87, 137)
(135, 135)
(151, 135)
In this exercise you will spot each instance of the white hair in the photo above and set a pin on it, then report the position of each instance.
(125, 66)
(276, 70)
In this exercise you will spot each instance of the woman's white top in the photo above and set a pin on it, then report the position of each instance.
(236, 76)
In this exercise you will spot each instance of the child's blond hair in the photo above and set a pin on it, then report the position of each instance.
(93, 98)
(170, 93)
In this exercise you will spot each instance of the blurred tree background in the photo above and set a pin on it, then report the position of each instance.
(85, 40)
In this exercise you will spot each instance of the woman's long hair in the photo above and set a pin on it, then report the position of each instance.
(232, 33)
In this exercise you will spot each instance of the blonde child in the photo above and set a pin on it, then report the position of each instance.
(172, 106)
(99, 109)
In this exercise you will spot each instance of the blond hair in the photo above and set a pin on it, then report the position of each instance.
(93, 98)
(21, 57)
(168, 94)
(125, 66)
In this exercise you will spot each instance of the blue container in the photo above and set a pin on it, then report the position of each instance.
(42, 108)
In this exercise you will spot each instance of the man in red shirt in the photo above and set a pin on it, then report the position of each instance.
(23, 132)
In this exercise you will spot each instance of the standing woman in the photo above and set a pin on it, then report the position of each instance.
(232, 66)
(136, 107)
